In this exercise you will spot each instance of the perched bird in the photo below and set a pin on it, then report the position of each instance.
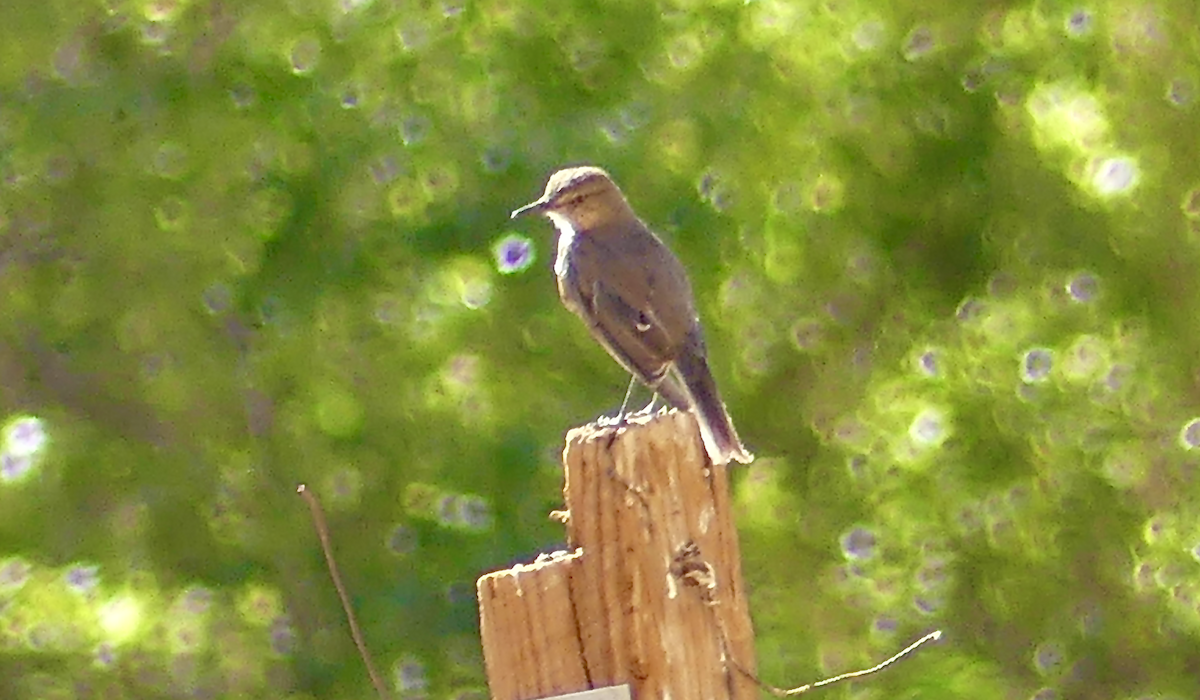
(635, 298)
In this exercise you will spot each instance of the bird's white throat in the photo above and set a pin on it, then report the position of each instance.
(566, 234)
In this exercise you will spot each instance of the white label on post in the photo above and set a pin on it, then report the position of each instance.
(612, 692)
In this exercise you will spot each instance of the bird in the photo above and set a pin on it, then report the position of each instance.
(635, 298)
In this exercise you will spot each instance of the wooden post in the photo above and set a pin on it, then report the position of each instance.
(633, 602)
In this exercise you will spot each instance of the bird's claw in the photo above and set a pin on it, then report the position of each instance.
(612, 421)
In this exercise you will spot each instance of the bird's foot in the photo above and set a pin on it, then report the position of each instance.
(622, 418)
(649, 409)
(617, 421)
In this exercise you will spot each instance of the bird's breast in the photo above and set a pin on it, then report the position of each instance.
(566, 238)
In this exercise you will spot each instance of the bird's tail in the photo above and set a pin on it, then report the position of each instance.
(716, 427)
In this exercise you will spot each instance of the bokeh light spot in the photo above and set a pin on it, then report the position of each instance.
(266, 211)
(402, 540)
(170, 161)
(827, 194)
(304, 55)
(25, 436)
(104, 656)
(474, 513)
(460, 593)
(1036, 365)
(160, 10)
(971, 310)
(171, 214)
(928, 428)
(858, 467)
(384, 169)
(927, 604)
(928, 363)
(868, 36)
(217, 298)
(351, 96)
(283, 635)
(1117, 379)
(495, 159)
(1190, 205)
(1065, 114)
(15, 468)
(121, 618)
(1079, 23)
(1086, 359)
(1124, 466)
(1115, 176)
(14, 573)
(858, 544)
(514, 253)
(82, 578)
(389, 309)
(421, 500)
(447, 509)
(885, 625)
(344, 485)
(933, 574)
(440, 183)
(1083, 287)
(1159, 528)
(1049, 660)
(714, 190)
(259, 605)
(462, 373)
(1142, 576)
(1181, 92)
(919, 43)
(684, 51)
(1189, 434)
(409, 676)
(243, 96)
(412, 35)
(157, 34)
(195, 600)
(413, 129)
(807, 334)
(476, 292)
(406, 199)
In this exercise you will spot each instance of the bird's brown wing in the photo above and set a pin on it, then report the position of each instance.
(616, 302)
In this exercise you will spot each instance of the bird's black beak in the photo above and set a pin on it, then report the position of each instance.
(531, 208)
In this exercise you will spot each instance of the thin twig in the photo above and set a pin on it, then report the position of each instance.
(318, 517)
(690, 567)
(781, 693)
(932, 636)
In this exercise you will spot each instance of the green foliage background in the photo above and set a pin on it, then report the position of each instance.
(946, 254)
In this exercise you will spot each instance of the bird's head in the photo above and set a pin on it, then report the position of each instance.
(580, 195)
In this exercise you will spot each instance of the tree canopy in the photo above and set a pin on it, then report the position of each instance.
(946, 255)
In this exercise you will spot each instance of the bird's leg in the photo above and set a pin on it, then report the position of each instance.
(619, 420)
(649, 408)
(625, 402)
